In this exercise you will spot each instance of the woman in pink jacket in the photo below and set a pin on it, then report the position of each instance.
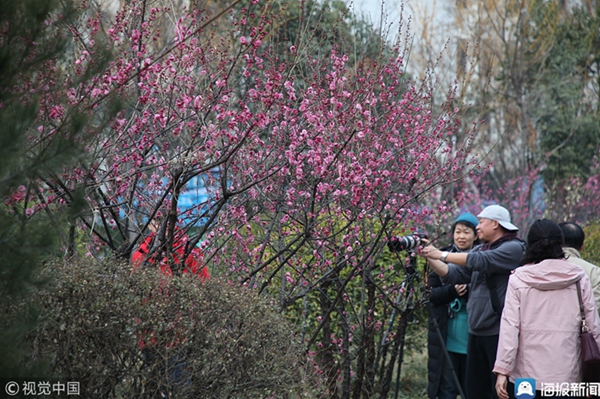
(539, 331)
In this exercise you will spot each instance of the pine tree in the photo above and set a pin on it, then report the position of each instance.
(35, 43)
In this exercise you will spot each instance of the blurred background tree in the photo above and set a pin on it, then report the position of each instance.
(529, 70)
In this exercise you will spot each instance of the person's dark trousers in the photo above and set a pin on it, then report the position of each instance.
(448, 389)
(481, 355)
(459, 361)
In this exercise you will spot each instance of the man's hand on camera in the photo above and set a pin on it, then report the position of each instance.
(431, 252)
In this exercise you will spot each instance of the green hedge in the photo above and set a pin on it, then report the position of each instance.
(141, 334)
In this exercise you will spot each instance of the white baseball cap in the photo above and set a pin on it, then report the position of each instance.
(499, 214)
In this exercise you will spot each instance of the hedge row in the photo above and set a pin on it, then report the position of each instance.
(144, 335)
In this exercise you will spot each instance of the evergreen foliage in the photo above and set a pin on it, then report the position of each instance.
(35, 39)
(21, 244)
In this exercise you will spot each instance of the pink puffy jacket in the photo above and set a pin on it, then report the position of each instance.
(539, 331)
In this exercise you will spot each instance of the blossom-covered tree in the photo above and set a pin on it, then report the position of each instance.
(308, 163)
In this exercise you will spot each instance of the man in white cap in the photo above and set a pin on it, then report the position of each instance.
(490, 264)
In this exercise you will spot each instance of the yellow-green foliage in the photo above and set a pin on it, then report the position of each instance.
(591, 247)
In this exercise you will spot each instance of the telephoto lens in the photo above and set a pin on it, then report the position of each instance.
(406, 243)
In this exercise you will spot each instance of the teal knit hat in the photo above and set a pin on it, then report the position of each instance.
(467, 217)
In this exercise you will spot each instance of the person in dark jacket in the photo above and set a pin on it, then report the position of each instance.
(490, 265)
(448, 312)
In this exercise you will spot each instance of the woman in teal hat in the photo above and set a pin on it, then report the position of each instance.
(448, 312)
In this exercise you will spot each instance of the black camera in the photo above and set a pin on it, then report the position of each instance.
(406, 243)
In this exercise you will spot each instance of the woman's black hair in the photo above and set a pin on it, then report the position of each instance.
(544, 241)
